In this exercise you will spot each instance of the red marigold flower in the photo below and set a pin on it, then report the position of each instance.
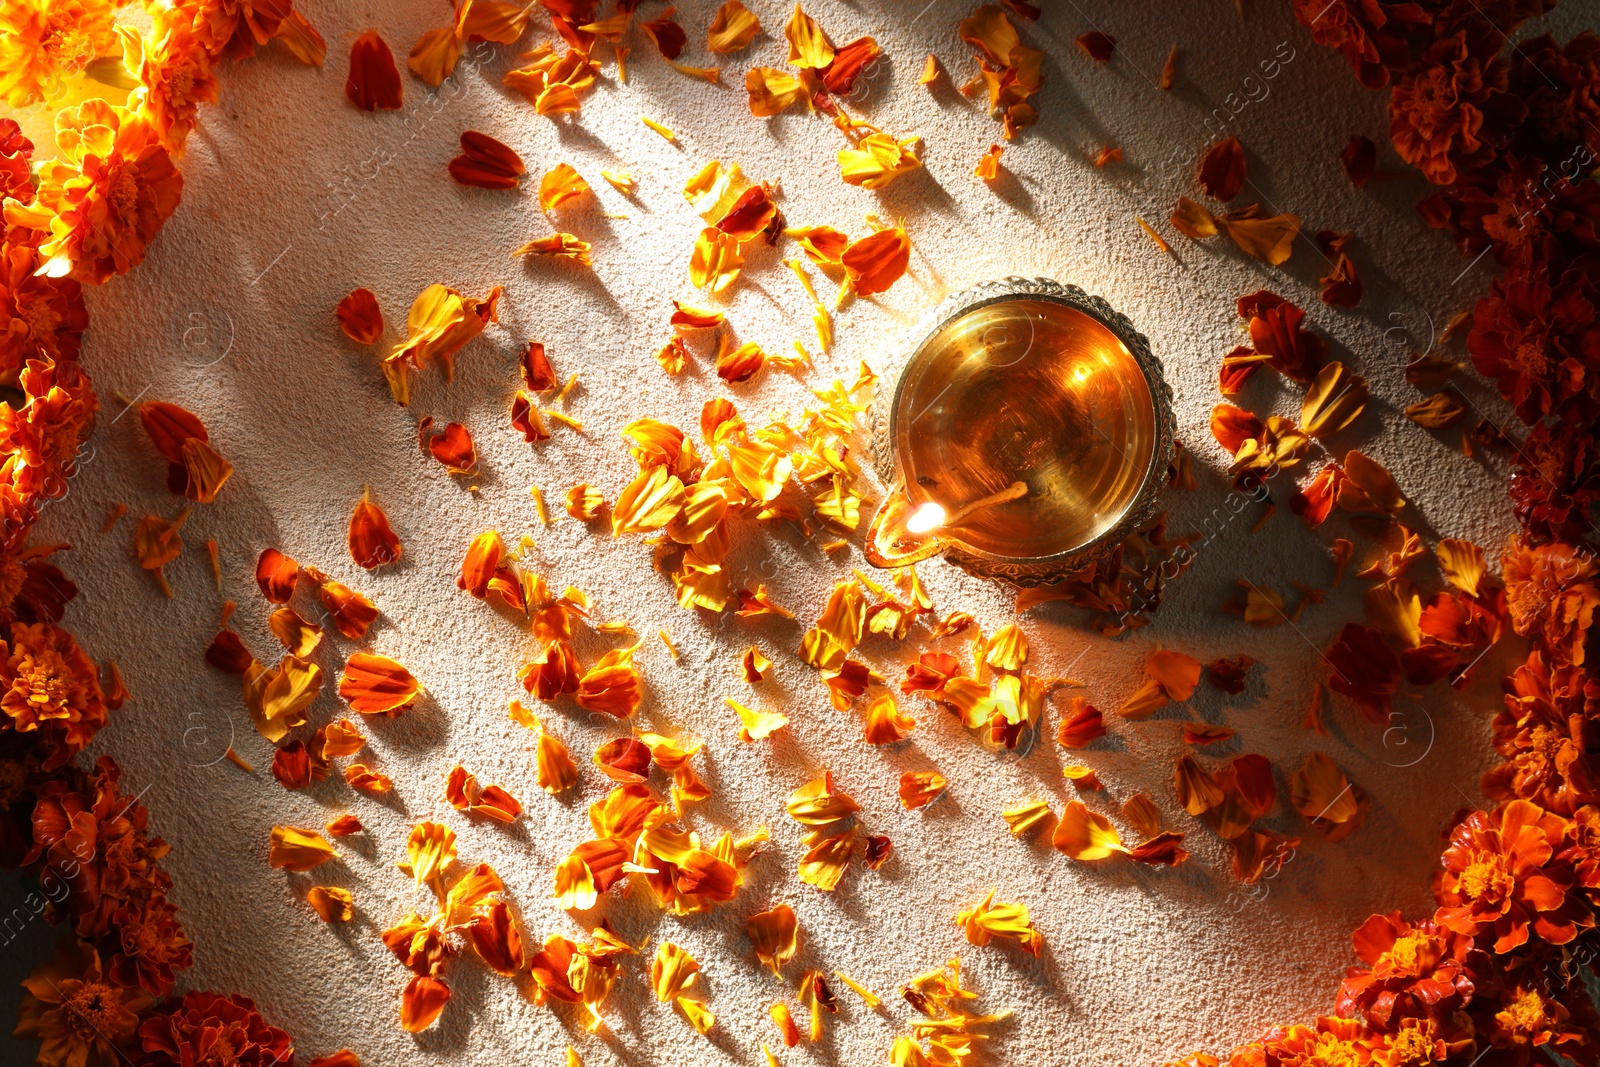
(16, 181)
(1376, 37)
(48, 684)
(1451, 111)
(1536, 331)
(94, 839)
(32, 589)
(1411, 970)
(1506, 207)
(1526, 1021)
(40, 318)
(1331, 1041)
(1544, 735)
(1561, 85)
(76, 1010)
(1555, 480)
(1501, 880)
(208, 1027)
(152, 944)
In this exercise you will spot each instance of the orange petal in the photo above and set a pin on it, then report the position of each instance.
(377, 685)
(276, 574)
(423, 1000)
(372, 540)
(454, 448)
(874, 263)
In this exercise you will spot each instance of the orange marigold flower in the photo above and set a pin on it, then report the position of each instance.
(45, 42)
(152, 944)
(40, 440)
(105, 196)
(1542, 733)
(80, 1014)
(176, 76)
(1501, 878)
(235, 28)
(50, 686)
(40, 318)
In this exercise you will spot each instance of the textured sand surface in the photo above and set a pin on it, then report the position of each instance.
(293, 198)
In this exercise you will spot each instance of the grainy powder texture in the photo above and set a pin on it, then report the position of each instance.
(292, 198)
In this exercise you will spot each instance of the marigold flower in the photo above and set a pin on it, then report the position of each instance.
(40, 439)
(105, 196)
(152, 946)
(1412, 969)
(43, 43)
(176, 75)
(1502, 878)
(50, 687)
(1452, 110)
(40, 318)
(79, 1014)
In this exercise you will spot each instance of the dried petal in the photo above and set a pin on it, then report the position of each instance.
(1222, 171)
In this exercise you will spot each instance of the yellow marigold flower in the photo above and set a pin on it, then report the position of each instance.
(45, 42)
(106, 195)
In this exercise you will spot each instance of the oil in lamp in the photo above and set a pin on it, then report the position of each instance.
(1028, 430)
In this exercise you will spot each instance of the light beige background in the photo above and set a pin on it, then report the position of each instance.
(293, 198)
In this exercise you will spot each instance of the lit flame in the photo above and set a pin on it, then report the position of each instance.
(927, 518)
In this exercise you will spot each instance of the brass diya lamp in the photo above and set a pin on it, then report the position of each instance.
(1028, 431)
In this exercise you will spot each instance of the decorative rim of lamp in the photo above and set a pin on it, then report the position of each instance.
(1039, 570)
